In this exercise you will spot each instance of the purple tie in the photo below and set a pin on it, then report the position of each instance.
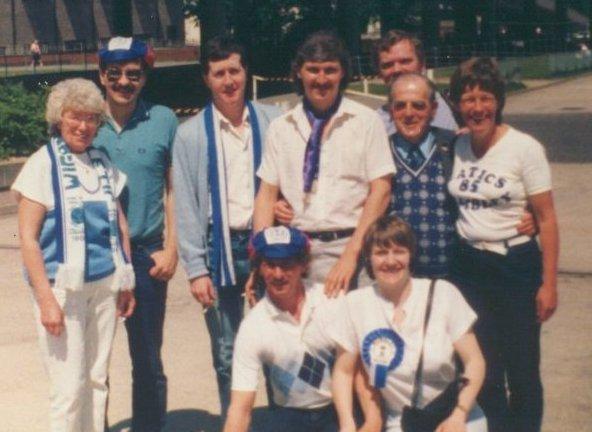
(312, 154)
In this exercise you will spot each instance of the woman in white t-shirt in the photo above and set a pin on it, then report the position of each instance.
(75, 251)
(384, 325)
(506, 277)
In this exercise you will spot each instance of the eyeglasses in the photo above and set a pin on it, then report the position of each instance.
(416, 105)
(76, 119)
(133, 75)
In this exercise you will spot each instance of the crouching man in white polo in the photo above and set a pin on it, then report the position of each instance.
(276, 333)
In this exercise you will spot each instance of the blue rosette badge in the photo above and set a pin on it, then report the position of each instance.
(382, 351)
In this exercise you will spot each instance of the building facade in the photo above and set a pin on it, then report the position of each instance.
(77, 25)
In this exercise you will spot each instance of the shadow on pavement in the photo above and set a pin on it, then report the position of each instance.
(194, 420)
(566, 137)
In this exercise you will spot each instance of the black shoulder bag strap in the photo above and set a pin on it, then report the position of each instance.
(419, 371)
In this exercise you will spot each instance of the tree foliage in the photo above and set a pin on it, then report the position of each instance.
(22, 123)
(272, 29)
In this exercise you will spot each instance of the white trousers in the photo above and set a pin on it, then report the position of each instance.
(324, 255)
(77, 361)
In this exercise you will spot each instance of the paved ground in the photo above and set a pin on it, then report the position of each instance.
(193, 405)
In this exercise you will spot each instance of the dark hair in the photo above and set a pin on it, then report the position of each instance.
(321, 46)
(220, 48)
(393, 37)
(384, 232)
(484, 73)
(430, 85)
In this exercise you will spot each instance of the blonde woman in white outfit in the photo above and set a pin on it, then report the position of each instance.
(384, 325)
(75, 250)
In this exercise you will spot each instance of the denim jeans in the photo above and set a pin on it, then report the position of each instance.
(302, 420)
(144, 332)
(502, 290)
(224, 317)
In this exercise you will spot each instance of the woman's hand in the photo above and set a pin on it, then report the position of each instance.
(456, 422)
(126, 303)
(546, 302)
(52, 315)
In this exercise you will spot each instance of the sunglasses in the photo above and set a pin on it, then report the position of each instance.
(134, 75)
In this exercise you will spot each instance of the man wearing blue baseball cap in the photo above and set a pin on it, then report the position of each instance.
(284, 332)
(138, 137)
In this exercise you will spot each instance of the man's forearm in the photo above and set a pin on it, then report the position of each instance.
(264, 202)
(170, 237)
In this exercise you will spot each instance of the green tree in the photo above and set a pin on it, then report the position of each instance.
(22, 124)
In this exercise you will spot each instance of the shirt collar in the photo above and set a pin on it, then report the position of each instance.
(224, 122)
(404, 146)
(141, 112)
(311, 300)
(409, 306)
(298, 115)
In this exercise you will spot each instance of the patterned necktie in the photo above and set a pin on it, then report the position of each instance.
(312, 154)
(415, 158)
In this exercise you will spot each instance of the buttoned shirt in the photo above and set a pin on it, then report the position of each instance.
(354, 151)
(237, 146)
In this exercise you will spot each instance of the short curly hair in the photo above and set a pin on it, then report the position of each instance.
(387, 231)
(482, 72)
(76, 94)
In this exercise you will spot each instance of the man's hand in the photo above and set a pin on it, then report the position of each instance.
(203, 290)
(250, 287)
(283, 212)
(165, 264)
(126, 303)
(527, 225)
(341, 274)
(546, 302)
(52, 315)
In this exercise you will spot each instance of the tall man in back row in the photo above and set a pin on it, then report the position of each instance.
(216, 155)
(138, 137)
(400, 52)
(329, 157)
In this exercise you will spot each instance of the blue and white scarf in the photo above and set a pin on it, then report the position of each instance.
(69, 214)
(221, 263)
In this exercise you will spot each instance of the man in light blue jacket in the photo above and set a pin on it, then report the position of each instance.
(215, 157)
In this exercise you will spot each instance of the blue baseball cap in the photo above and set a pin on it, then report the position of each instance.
(120, 49)
(279, 243)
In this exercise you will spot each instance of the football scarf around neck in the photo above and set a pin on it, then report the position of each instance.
(221, 262)
(70, 219)
(312, 154)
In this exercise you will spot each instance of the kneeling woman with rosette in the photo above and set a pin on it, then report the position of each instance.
(508, 279)
(407, 332)
(75, 249)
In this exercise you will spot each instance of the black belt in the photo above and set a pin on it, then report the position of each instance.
(327, 236)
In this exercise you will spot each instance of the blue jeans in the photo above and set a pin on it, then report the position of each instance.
(144, 333)
(502, 290)
(302, 420)
(224, 317)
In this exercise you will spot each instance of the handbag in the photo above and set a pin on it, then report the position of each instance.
(427, 419)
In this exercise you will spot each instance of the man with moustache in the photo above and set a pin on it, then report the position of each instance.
(423, 155)
(285, 333)
(329, 158)
(401, 52)
(138, 137)
(215, 158)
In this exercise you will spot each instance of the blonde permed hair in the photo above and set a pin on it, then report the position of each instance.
(76, 94)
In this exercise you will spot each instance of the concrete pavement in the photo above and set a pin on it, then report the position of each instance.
(193, 404)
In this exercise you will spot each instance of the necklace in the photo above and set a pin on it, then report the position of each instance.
(87, 171)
